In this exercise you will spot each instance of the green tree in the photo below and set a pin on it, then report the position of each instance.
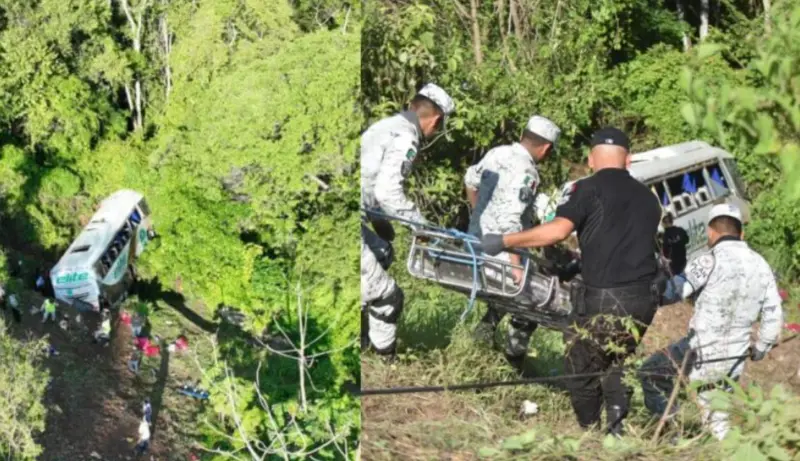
(23, 380)
(758, 118)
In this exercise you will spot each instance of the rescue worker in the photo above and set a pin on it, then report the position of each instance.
(616, 218)
(500, 190)
(144, 438)
(732, 286)
(147, 411)
(16, 310)
(388, 151)
(49, 309)
(103, 334)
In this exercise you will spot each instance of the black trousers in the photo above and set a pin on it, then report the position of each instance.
(608, 344)
(519, 335)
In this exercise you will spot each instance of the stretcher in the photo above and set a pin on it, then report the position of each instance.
(458, 265)
(194, 393)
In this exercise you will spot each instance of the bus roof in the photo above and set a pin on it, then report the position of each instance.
(655, 163)
(95, 237)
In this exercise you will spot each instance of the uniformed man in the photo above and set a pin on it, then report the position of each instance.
(500, 190)
(732, 286)
(617, 219)
(388, 150)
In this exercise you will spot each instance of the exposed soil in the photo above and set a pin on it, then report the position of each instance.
(452, 425)
(94, 402)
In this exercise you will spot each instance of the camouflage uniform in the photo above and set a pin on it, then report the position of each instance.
(388, 150)
(732, 286)
(506, 180)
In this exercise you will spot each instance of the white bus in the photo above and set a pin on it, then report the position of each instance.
(97, 269)
(688, 179)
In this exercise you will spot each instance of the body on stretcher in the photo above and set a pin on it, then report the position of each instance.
(449, 262)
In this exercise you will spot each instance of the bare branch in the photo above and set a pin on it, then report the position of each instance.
(347, 18)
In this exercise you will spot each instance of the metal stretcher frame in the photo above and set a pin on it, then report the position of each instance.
(429, 261)
(443, 259)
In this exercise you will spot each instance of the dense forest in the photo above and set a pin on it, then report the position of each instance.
(666, 71)
(238, 120)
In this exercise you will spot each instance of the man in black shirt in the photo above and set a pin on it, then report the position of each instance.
(616, 218)
(673, 245)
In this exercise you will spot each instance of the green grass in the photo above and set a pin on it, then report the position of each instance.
(436, 349)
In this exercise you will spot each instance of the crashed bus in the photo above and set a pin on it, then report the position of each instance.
(688, 179)
(97, 270)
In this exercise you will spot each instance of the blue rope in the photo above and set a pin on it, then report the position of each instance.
(468, 239)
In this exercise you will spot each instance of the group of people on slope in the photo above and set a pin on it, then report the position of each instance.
(616, 219)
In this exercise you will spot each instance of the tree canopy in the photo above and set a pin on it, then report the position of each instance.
(238, 121)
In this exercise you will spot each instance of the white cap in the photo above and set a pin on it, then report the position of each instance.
(544, 127)
(439, 97)
(725, 209)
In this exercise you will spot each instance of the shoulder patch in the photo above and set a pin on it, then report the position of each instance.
(530, 181)
(699, 270)
(567, 192)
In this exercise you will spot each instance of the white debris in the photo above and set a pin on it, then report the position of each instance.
(96, 455)
(529, 408)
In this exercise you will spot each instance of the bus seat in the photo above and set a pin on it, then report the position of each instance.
(686, 202)
(702, 195)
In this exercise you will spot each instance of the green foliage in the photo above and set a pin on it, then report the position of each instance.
(246, 155)
(766, 427)
(23, 380)
(555, 66)
(757, 117)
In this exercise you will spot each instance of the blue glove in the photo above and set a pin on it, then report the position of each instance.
(492, 244)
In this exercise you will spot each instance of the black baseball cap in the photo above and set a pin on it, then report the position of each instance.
(610, 136)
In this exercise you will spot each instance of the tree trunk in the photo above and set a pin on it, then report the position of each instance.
(513, 8)
(136, 26)
(687, 42)
(501, 9)
(301, 354)
(767, 18)
(166, 42)
(704, 10)
(476, 32)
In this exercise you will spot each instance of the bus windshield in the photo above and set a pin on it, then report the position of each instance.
(733, 171)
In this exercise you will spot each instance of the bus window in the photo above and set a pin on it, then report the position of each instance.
(694, 183)
(736, 178)
(682, 189)
(661, 192)
(719, 184)
(144, 208)
(100, 268)
(135, 218)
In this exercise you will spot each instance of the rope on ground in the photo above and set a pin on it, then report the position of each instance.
(541, 379)
(469, 240)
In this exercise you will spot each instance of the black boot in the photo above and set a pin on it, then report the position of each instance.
(614, 417)
(387, 355)
(484, 332)
(516, 362)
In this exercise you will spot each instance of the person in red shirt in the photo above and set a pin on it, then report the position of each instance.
(152, 350)
(141, 343)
